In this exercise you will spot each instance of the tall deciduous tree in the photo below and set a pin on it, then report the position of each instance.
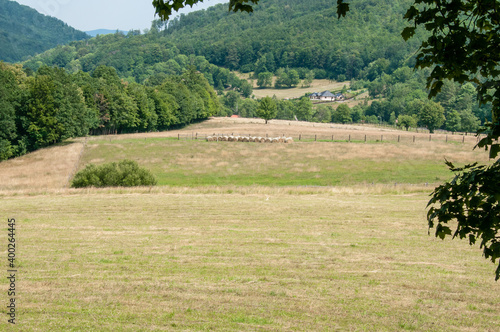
(342, 114)
(264, 79)
(267, 109)
(431, 115)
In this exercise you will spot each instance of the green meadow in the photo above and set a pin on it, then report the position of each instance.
(199, 163)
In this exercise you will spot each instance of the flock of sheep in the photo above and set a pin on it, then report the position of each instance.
(281, 139)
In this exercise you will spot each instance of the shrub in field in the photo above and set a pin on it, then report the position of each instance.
(126, 173)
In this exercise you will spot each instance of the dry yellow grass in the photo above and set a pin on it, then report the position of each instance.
(45, 169)
(103, 260)
(233, 258)
(308, 130)
(297, 92)
(50, 169)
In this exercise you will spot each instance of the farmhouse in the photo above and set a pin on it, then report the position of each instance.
(326, 96)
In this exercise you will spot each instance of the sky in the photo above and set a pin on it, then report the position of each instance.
(90, 15)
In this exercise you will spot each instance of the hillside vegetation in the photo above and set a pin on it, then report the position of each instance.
(298, 33)
(25, 32)
(279, 34)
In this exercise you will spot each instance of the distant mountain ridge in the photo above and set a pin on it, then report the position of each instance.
(96, 32)
(25, 32)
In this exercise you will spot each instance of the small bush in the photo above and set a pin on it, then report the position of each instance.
(126, 173)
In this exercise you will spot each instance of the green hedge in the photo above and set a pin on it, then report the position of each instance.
(126, 173)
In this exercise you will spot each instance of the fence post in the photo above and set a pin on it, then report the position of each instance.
(178, 136)
(332, 138)
(446, 138)
(430, 138)
(349, 138)
(365, 138)
(463, 139)
(413, 139)
(381, 138)
(315, 138)
(300, 136)
(399, 138)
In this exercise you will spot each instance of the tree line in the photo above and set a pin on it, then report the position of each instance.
(51, 105)
(140, 58)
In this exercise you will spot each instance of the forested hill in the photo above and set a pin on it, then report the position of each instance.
(25, 32)
(278, 34)
(297, 33)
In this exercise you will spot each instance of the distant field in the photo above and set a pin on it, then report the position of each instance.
(200, 163)
(297, 92)
(309, 236)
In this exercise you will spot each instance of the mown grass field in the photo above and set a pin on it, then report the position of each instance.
(238, 237)
(200, 163)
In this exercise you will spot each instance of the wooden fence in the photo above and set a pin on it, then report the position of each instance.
(352, 137)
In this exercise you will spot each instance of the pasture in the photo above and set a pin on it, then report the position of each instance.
(311, 236)
(318, 85)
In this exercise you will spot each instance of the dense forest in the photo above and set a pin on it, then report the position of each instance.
(136, 58)
(51, 105)
(298, 33)
(25, 32)
(301, 34)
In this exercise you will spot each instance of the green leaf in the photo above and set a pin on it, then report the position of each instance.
(342, 8)
(408, 32)
(494, 150)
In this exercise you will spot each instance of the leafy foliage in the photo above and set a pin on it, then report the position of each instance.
(431, 115)
(464, 46)
(472, 198)
(267, 109)
(145, 59)
(126, 173)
